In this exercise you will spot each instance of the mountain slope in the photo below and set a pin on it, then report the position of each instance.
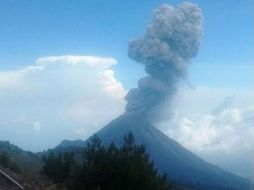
(169, 156)
(27, 161)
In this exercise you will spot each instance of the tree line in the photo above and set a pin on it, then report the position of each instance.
(106, 168)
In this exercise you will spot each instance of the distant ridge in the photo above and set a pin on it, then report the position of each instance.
(68, 143)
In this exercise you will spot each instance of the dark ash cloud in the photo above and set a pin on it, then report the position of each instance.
(171, 39)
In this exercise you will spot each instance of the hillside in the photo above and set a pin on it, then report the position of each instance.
(27, 161)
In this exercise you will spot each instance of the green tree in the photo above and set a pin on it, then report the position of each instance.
(6, 162)
(58, 167)
(112, 168)
(106, 168)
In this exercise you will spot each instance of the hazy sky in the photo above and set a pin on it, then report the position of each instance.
(64, 71)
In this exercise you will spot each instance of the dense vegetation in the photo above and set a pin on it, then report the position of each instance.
(26, 161)
(106, 168)
(6, 162)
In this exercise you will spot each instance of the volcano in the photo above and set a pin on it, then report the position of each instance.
(180, 165)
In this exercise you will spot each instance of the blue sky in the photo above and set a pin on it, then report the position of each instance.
(50, 84)
(32, 29)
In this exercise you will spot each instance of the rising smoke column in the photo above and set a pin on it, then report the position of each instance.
(171, 39)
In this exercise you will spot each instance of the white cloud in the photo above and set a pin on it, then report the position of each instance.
(220, 132)
(15, 79)
(65, 93)
(81, 132)
(10, 80)
(111, 85)
(37, 126)
(230, 131)
(216, 125)
(92, 61)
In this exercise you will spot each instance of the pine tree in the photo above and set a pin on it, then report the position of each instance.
(112, 168)
(106, 168)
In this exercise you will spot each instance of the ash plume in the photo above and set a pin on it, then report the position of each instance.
(171, 39)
